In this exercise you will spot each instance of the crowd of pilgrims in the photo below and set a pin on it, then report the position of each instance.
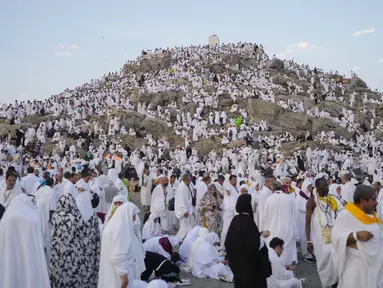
(236, 216)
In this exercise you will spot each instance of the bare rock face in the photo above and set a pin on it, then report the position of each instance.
(280, 80)
(264, 110)
(204, 146)
(147, 65)
(154, 126)
(276, 64)
(290, 121)
(358, 83)
(225, 100)
(307, 102)
(289, 148)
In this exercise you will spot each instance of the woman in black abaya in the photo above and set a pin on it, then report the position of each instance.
(250, 265)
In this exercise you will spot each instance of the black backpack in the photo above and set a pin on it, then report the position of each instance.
(95, 200)
(171, 204)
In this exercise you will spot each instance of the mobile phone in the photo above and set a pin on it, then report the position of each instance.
(293, 263)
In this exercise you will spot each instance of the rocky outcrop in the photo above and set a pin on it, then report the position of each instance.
(358, 83)
(262, 110)
(276, 64)
(147, 65)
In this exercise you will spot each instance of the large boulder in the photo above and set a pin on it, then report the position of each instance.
(262, 110)
(308, 103)
(276, 64)
(133, 142)
(289, 148)
(132, 119)
(225, 100)
(236, 144)
(322, 124)
(190, 107)
(148, 64)
(248, 62)
(280, 80)
(293, 122)
(204, 146)
(358, 83)
(145, 97)
(230, 58)
(156, 127)
(334, 108)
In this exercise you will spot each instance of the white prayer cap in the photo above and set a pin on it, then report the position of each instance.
(119, 198)
(244, 186)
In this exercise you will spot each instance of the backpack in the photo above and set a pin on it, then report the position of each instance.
(171, 204)
(95, 200)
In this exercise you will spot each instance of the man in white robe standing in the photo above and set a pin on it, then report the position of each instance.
(279, 219)
(146, 182)
(159, 203)
(265, 193)
(300, 205)
(28, 181)
(46, 201)
(348, 188)
(357, 240)
(183, 206)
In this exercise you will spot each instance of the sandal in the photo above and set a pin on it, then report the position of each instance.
(226, 279)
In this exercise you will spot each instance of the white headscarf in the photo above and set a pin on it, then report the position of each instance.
(189, 239)
(212, 238)
(306, 183)
(84, 204)
(203, 234)
(117, 198)
(255, 185)
(125, 240)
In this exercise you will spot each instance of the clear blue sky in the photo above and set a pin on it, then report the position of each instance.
(48, 46)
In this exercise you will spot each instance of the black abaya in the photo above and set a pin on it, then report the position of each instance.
(250, 266)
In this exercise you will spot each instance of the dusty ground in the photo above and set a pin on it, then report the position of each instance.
(303, 270)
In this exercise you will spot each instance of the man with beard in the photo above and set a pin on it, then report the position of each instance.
(358, 243)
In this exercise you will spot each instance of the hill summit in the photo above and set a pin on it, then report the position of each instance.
(220, 96)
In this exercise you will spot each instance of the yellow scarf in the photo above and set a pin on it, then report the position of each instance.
(361, 216)
(333, 202)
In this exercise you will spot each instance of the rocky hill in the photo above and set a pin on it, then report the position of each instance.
(231, 66)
